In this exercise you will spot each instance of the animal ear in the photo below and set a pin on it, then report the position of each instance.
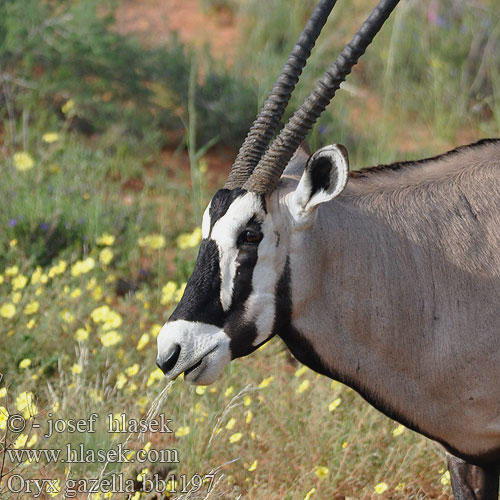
(324, 178)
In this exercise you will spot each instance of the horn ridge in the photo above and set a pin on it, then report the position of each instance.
(267, 120)
(273, 162)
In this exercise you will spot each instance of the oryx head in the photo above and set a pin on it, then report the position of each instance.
(229, 306)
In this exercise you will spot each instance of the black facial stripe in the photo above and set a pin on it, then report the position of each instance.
(241, 343)
(201, 300)
(221, 202)
(299, 346)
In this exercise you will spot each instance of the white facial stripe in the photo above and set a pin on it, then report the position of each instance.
(205, 222)
(224, 233)
(197, 341)
(260, 306)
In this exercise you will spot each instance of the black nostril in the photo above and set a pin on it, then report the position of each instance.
(167, 361)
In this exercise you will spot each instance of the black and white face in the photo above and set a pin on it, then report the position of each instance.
(230, 306)
(227, 309)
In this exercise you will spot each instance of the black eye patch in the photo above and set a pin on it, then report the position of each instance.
(251, 234)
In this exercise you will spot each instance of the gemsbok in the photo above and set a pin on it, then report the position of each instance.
(386, 279)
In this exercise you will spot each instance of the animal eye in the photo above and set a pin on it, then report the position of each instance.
(249, 236)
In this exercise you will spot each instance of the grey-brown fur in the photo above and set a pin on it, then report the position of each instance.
(396, 285)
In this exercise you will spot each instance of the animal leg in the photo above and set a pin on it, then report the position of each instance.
(472, 482)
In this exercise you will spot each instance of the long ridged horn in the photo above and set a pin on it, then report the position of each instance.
(269, 116)
(271, 166)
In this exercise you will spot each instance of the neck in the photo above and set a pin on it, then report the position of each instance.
(372, 308)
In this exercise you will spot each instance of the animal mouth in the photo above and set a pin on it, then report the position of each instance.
(193, 372)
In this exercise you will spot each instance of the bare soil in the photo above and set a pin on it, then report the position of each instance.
(153, 21)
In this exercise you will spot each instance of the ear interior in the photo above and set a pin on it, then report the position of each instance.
(324, 177)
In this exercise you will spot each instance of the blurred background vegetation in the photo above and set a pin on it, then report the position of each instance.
(118, 120)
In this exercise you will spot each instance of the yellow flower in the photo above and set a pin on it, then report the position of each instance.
(183, 431)
(303, 386)
(97, 293)
(50, 137)
(16, 297)
(82, 266)
(152, 241)
(253, 466)
(76, 369)
(20, 441)
(77, 292)
(121, 381)
(231, 423)
(19, 282)
(111, 338)
(168, 292)
(189, 240)
(132, 370)
(142, 341)
(142, 402)
(310, 493)
(31, 308)
(235, 437)
(30, 324)
(301, 371)
(23, 161)
(228, 391)
(59, 268)
(11, 271)
(249, 416)
(321, 471)
(3, 392)
(334, 404)
(180, 292)
(32, 441)
(247, 400)
(100, 314)
(68, 106)
(154, 376)
(200, 389)
(398, 430)
(8, 310)
(265, 382)
(67, 317)
(25, 363)
(105, 240)
(1, 279)
(81, 335)
(112, 320)
(381, 488)
(4, 415)
(25, 404)
(110, 278)
(105, 256)
(203, 166)
(155, 330)
(445, 478)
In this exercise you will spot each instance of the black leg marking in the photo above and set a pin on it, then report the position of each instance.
(473, 482)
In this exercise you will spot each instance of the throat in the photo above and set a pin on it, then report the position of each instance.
(296, 342)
